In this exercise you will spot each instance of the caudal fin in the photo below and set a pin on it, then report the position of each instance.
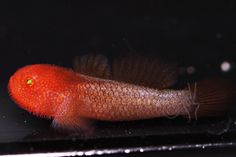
(212, 97)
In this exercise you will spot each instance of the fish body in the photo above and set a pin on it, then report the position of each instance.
(116, 101)
(56, 92)
(72, 99)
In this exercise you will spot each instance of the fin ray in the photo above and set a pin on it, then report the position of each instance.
(67, 118)
(93, 65)
(214, 97)
(147, 71)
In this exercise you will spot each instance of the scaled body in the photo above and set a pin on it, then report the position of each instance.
(71, 99)
(67, 96)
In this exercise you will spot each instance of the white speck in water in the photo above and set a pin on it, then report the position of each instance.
(127, 151)
(164, 147)
(198, 145)
(3, 117)
(235, 123)
(190, 69)
(141, 150)
(25, 121)
(225, 66)
(129, 132)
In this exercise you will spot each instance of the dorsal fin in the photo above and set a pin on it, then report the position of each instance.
(93, 65)
(143, 70)
(136, 69)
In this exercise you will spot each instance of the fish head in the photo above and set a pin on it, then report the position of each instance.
(41, 88)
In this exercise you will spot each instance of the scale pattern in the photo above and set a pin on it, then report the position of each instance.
(115, 101)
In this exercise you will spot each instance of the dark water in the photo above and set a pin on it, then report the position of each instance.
(55, 33)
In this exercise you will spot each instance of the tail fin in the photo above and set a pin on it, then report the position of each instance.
(212, 97)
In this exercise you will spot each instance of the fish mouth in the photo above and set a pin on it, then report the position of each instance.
(11, 88)
(10, 85)
(14, 90)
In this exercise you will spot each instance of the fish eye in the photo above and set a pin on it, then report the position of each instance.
(29, 82)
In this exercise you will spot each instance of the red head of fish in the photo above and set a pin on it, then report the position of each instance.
(40, 88)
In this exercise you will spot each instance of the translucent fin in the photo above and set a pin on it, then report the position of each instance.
(148, 71)
(212, 97)
(78, 124)
(93, 65)
(67, 119)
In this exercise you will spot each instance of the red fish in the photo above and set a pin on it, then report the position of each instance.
(72, 99)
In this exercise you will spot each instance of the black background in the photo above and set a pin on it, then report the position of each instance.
(193, 34)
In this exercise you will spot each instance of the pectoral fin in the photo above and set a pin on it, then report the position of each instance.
(77, 124)
(67, 119)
